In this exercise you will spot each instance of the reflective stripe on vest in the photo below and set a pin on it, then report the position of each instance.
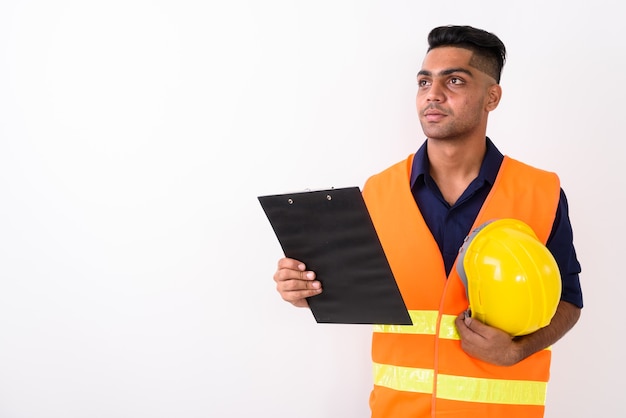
(461, 388)
(424, 322)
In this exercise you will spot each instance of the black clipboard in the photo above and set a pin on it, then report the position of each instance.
(332, 233)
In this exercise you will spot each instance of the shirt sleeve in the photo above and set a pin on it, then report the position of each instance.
(561, 245)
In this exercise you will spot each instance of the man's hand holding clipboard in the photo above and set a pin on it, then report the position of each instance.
(331, 233)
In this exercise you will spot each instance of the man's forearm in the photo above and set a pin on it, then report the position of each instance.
(564, 319)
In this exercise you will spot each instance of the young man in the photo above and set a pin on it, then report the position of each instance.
(448, 364)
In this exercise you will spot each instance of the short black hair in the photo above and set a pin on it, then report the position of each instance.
(488, 49)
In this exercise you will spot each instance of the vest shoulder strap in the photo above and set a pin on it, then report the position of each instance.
(525, 193)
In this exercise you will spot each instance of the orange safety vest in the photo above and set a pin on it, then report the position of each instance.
(420, 370)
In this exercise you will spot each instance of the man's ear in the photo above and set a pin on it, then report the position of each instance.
(494, 95)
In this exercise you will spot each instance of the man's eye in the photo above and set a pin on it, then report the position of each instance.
(422, 83)
(456, 80)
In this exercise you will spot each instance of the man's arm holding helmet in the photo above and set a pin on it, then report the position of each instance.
(497, 347)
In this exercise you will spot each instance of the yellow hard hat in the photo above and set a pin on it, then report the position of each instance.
(512, 280)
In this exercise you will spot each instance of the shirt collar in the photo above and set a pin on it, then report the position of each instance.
(488, 169)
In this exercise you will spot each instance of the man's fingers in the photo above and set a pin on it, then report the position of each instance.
(291, 264)
(284, 275)
(302, 290)
(469, 327)
(464, 318)
(290, 269)
(294, 285)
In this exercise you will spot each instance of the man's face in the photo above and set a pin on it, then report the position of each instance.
(453, 97)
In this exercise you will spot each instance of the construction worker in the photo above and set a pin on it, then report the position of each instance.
(450, 364)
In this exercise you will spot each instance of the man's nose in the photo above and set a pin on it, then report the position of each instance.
(435, 93)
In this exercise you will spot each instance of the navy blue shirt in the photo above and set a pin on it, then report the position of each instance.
(450, 224)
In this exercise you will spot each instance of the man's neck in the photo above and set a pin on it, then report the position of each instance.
(454, 164)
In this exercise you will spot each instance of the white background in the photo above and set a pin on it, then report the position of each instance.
(135, 136)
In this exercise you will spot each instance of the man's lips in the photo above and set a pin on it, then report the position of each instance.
(434, 115)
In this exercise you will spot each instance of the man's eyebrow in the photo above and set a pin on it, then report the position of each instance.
(446, 72)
